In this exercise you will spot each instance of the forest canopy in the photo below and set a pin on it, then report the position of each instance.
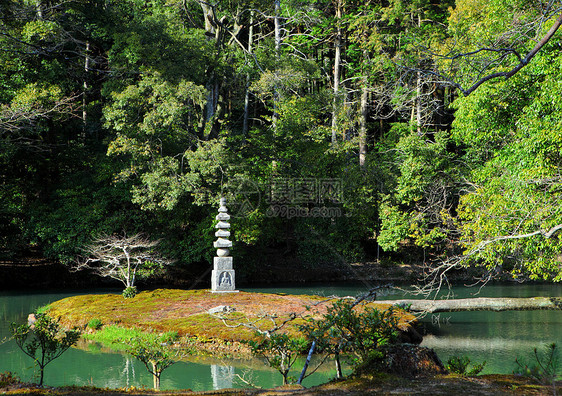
(338, 131)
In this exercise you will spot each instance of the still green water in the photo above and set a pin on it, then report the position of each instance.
(497, 338)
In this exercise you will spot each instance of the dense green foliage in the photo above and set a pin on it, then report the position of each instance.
(156, 353)
(328, 125)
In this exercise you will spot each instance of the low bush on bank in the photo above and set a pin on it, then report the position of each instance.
(8, 379)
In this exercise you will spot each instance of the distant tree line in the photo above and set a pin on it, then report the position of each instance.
(336, 129)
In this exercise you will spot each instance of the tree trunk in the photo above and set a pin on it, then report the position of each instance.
(155, 377)
(212, 32)
(339, 373)
(85, 92)
(337, 66)
(307, 362)
(128, 271)
(479, 304)
(42, 369)
(247, 93)
(418, 104)
(277, 27)
(363, 124)
(39, 9)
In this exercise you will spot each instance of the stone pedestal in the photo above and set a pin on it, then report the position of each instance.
(222, 276)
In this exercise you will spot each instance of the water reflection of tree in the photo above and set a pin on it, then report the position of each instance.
(128, 369)
(223, 376)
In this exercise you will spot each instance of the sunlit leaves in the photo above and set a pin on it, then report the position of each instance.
(492, 23)
(35, 95)
(424, 197)
(497, 34)
(514, 145)
(156, 107)
(40, 30)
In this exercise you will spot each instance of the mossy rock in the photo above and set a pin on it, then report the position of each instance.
(405, 360)
(409, 360)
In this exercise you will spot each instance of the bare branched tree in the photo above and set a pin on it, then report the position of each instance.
(16, 119)
(122, 258)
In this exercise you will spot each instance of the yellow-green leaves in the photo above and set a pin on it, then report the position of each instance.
(40, 30)
(36, 95)
(511, 131)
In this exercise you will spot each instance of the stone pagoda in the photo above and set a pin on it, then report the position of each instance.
(222, 277)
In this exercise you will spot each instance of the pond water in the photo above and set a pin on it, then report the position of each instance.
(497, 338)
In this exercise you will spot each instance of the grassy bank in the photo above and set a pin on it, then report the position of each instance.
(376, 384)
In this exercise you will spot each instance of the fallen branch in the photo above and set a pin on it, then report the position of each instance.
(478, 304)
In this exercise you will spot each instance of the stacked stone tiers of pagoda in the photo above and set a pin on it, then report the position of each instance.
(222, 276)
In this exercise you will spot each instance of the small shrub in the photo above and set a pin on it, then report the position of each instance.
(459, 365)
(45, 341)
(280, 352)
(363, 330)
(170, 337)
(546, 366)
(95, 324)
(8, 378)
(156, 355)
(130, 292)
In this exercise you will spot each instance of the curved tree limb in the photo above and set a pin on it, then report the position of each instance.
(547, 234)
(522, 62)
(436, 277)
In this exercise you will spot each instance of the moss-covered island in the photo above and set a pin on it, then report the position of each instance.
(186, 312)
